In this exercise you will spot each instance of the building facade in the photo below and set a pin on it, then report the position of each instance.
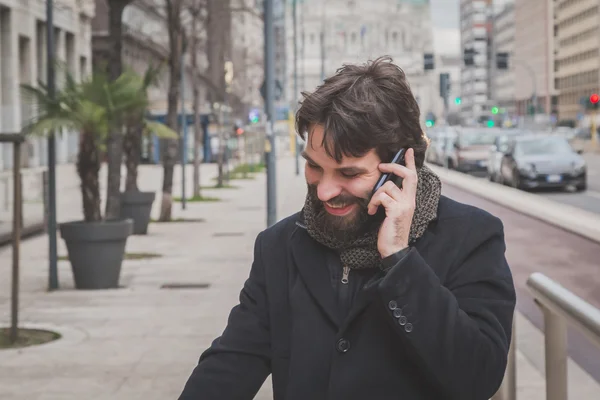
(534, 58)
(247, 57)
(503, 81)
(475, 34)
(23, 60)
(577, 62)
(334, 32)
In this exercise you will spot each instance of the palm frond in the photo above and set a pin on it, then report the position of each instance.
(160, 130)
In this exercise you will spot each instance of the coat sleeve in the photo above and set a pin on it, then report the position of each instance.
(458, 333)
(239, 361)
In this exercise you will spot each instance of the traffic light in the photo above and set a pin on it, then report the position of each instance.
(592, 102)
(469, 56)
(429, 123)
(254, 116)
(502, 60)
(444, 85)
(428, 62)
(457, 101)
(495, 110)
(490, 123)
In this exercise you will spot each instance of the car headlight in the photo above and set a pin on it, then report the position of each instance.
(527, 169)
(578, 167)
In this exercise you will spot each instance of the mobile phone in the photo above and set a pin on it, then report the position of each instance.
(386, 176)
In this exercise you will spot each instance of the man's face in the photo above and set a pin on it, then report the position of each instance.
(343, 189)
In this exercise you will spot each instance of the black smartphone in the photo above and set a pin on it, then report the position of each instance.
(386, 176)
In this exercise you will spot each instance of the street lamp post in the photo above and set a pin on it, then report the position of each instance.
(51, 223)
(295, 96)
(270, 149)
(183, 126)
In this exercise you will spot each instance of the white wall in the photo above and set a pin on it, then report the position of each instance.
(23, 60)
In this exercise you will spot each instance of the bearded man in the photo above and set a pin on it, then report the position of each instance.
(398, 294)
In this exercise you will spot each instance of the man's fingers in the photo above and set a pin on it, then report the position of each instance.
(381, 198)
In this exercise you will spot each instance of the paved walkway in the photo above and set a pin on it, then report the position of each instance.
(141, 341)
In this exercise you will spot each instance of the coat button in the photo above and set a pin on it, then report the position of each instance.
(397, 313)
(343, 345)
(392, 305)
(402, 320)
(408, 327)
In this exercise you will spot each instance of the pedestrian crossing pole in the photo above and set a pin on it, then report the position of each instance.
(270, 148)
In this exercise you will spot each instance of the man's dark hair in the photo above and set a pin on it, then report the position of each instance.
(364, 107)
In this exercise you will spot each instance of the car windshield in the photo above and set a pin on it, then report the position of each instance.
(477, 139)
(551, 145)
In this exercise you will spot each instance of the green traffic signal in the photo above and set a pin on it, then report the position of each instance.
(490, 123)
(457, 101)
(429, 123)
(495, 110)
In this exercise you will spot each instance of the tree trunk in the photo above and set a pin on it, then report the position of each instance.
(196, 107)
(132, 147)
(114, 145)
(88, 168)
(169, 146)
(197, 140)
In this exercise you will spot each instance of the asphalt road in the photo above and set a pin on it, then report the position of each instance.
(588, 200)
(535, 246)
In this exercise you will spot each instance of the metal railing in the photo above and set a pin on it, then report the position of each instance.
(560, 308)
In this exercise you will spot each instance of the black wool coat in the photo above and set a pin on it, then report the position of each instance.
(436, 325)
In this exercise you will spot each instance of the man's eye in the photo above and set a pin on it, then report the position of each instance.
(349, 174)
(312, 166)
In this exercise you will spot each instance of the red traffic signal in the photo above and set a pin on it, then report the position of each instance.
(594, 98)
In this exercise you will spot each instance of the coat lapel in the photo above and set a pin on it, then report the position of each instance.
(311, 260)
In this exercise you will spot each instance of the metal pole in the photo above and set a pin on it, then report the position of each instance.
(52, 256)
(17, 212)
(295, 96)
(270, 150)
(556, 355)
(183, 128)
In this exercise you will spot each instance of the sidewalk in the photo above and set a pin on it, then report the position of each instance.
(141, 341)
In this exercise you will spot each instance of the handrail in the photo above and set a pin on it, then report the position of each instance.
(566, 304)
(561, 308)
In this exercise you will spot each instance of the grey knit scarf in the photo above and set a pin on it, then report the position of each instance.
(358, 249)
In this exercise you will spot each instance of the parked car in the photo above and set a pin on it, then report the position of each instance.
(436, 152)
(470, 150)
(543, 161)
(497, 152)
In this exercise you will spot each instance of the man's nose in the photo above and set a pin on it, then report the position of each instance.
(327, 189)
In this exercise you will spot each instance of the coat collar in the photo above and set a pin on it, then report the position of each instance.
(311, 260)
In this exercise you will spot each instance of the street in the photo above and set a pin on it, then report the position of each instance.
(588, 200)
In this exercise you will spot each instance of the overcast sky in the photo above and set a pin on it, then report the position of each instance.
(445, 19)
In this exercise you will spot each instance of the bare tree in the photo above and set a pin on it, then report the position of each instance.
(114, 144)
(169, 146)
(197, 11)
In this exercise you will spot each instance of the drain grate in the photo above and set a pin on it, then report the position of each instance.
(185, 286)
(227, 234)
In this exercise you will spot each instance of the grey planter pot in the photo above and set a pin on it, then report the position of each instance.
(96, 251)
(137, 206)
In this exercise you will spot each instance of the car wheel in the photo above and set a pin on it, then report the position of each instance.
(582, 187)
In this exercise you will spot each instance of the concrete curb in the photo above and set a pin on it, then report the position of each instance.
(572, 219)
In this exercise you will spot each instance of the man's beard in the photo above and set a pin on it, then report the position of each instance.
(347, 227)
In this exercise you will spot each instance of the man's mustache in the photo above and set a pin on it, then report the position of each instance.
(342, 199)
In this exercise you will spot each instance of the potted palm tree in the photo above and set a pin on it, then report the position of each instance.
(95, 245)
(136, 204)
